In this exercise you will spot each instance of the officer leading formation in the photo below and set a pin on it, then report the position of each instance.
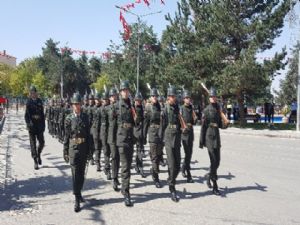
(115, 126)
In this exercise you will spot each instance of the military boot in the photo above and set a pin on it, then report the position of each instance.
(183, 171)
(81, 199)
(127, 199)
(36, 166)
(115, 184)
(189, 177)
(174, 196)
(208, 183)
(77, 204)
(39, 159)
(98, 166)
(142, 173)
(108, 175)
(215, 188)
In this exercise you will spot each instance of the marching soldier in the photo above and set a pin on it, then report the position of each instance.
(138, 134)
(61, 112)
(153, 126)
(187, 136)
(89, 111)
(103, 134)
(172, 138)
(77, 147)
(35, 121)
(125, 116)
(210, 138)
(96, 124)
(85, 103)
(51, 118)
(111, 137)
(161, 101)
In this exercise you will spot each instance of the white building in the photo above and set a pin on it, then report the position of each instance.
(8, 59)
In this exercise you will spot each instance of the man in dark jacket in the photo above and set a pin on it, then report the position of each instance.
(35, 121)
(210, 138)
(172, 138)
(187, 136)
(77, 148)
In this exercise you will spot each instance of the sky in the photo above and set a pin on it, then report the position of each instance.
(89, 25)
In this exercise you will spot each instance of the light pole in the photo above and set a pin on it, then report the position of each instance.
(138, 16)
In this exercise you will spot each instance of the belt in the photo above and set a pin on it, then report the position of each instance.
(213, 125)
(126, 125)
(36, 117)
(172, 126)
(78, 141)
(155, 125)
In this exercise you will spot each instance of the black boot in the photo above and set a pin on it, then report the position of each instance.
(142, 173)
(208, 183)
(98, 166)
(137, 169)
(174, 196)
(115, 185)
(215, 188)
(162, 162)
(108, 175)
(157, 184)
(39, 159)
(183, 171)
(77, 204)
(127, 199)
(189, 177)
(81, 199)
(36, 166)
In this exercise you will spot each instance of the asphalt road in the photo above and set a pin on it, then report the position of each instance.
(258, 177)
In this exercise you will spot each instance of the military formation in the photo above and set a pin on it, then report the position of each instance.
(110, 129)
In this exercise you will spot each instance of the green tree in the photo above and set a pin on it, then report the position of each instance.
(217, 42)
(5, 75)
(102, 81)
(288, 86)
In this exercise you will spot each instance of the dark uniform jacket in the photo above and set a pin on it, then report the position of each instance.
(104, 123)
(111, 120)
(139, 123)
(34, 115)
(153, 123)
(77, 141)
(125, 122)
(171, 124)
(211, 122)
(96, 123)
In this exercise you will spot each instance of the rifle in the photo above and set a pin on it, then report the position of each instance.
(223, 117)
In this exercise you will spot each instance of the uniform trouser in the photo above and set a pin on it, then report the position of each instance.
(115, 160)
(126, 153)
(139, 153)
(188, 151)
(155, 156)
(78, 177)
(97, 146)
(35, 151)
(107, 153)
(214, 156)
(173, 158)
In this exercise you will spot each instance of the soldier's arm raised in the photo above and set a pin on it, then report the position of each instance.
(203, 131)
